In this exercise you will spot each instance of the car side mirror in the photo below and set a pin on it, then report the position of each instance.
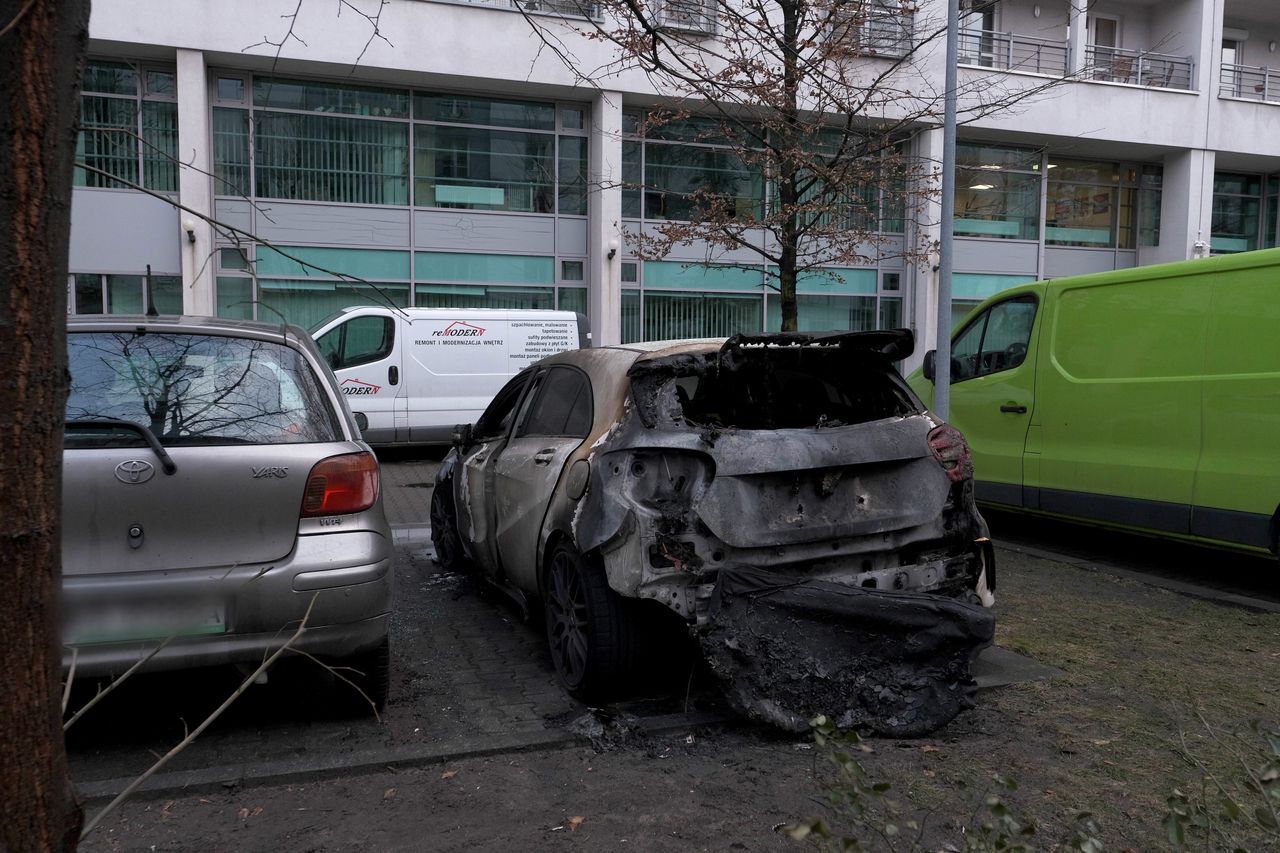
(930, 368)
(462, 435)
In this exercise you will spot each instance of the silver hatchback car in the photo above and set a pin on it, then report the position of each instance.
(215, 491)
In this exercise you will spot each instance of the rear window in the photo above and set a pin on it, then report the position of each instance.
(193, 389)
(772, 388)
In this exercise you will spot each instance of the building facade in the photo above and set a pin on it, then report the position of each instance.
(272, 165)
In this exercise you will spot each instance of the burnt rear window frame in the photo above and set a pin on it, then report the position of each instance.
(659, 407)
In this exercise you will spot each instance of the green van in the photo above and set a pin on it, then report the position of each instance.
(1146, 399)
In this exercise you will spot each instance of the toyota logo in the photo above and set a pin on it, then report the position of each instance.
(135, 471)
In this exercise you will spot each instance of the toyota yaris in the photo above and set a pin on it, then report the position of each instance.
(216, 492)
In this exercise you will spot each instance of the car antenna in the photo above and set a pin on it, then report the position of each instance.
(151, 303)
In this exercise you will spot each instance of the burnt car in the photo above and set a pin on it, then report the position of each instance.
(216, 491)
(787, 495)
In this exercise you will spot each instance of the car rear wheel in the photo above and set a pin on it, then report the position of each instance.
(590, 628)
(444, 530)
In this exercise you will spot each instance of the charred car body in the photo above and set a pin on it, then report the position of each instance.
(787, 495)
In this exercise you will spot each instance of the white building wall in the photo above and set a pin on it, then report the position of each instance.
(455, 46)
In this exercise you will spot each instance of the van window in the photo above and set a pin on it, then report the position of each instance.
(996, 340)
(562, 407)
(358, 341)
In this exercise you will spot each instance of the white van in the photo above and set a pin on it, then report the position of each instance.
(412, 374)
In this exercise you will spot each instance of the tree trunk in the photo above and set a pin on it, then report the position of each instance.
(41, 59)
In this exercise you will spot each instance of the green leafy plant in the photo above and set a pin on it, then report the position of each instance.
(870, 819)
(1230, 811)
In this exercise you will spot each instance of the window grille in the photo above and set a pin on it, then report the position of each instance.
(690, 16)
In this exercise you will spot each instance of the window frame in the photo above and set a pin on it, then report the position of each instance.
(984, 317)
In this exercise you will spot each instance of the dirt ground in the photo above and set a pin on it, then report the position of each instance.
(1113, 736)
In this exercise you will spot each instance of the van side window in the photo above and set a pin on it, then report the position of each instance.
(358, 341)
(995, 340)
(562, 407)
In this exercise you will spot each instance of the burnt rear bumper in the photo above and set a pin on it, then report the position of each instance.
(791, 648)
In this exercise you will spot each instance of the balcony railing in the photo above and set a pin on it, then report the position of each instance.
(873, 29)
(1013, 52)
(1257, 83)
(689, 16)
(1142, 68)
(567, 8)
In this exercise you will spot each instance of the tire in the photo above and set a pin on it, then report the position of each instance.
(444, 530)
(371, 673)
(591, 630)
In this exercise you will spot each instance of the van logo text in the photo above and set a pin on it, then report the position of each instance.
(356, 388)
(459, 329)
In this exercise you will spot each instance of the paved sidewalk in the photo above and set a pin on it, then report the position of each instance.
(406, 492)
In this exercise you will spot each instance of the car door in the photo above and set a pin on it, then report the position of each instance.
(475, 500)
(993, 387)
(553, 422)
(365, 352)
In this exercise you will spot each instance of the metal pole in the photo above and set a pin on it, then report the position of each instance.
(942, 371)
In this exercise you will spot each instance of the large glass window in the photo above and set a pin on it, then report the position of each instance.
(331, 158)
(230, 151)
(128, 128)
(483, 296)
(462, 159)
(687, 182)
(997, 192)
(1271, 225)
(1237, 210)
(1150, 197)
(677, 301)
(1091, 204)
(684, 169)
(669, 316)
(93, 293)
(343, 143)
(482, 169)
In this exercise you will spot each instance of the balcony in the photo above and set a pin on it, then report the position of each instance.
(1013, 52)
(564, 8)
(1257, 83)
(1139, 67)
(688, 16)
(877, 28)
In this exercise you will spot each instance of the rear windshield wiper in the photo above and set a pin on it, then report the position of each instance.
(166, 461)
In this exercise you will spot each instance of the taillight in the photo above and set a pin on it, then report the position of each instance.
(952, 452)
(341, 484)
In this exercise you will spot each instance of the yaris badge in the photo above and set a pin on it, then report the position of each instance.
(135, 471)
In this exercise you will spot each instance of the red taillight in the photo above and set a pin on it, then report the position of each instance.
(341, 484)
(952, 452)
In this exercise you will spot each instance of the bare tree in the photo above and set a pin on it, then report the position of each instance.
(42, 46)
(805, 108)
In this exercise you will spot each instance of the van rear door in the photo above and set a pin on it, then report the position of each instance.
(1237, 485)
(366, 351)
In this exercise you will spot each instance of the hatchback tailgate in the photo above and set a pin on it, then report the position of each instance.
(223, 506)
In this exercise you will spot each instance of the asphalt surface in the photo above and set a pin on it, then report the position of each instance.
(470, 677)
